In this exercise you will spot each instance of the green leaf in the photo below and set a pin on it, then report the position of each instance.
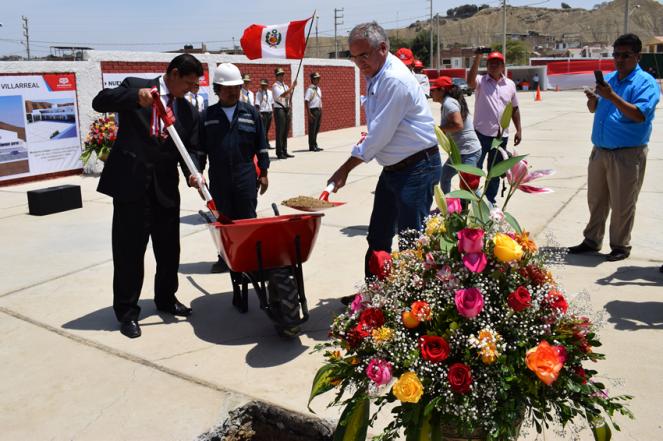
(513, 222)
(321, 382)
(481, 211)
(501, 167)
(497, 142)
(469, 169)
(426, 428)
(443, 140)
(463, 194)
(506, 116)
(446, 245)
(440, 201)
(455, 152)
(602, 433)
(353, 424)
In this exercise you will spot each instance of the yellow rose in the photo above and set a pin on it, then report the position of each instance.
(506, 249)
(408, 388)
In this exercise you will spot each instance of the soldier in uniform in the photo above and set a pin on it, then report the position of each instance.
(282, 103)
(246, 96)
(264, 104)
(313, 102)
(231, 136)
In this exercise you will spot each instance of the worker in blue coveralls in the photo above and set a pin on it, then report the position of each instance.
(232, 136)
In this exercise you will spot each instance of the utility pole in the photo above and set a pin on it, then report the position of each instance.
(430, 58)
(26, 34)
(317, 42)
(338, 20)
(626, 14)
(437, 23)
(504, 32)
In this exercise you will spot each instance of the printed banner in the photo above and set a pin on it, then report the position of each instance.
(114, 79)
(38, 125)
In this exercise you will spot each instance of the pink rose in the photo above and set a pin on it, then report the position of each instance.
(469, 302)
(358, 303)
(379, 371)
(454, 206)
(475, 262)
(470, 240)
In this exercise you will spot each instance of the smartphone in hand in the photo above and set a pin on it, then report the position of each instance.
(598, 75)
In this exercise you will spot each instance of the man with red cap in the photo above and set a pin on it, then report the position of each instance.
(493, 92)
(421, 77)
(406, 56)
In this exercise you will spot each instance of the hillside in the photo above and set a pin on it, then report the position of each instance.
(602, 24)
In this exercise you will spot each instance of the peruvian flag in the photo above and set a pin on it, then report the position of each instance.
(275, 41)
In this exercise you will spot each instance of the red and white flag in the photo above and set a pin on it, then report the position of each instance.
(275, 41)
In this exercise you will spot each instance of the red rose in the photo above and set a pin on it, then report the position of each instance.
(371, 318)
(469, 182)
(460, 378)
(579, 371)
(356, 335)
(519, 299)
(433, 348)
(555, 299)
(379, 264)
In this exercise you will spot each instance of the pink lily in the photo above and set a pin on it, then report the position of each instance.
(519, 175)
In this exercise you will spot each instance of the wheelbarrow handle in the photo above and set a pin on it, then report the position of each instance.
(325, 194)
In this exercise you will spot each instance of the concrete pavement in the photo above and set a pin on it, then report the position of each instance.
(70, 375)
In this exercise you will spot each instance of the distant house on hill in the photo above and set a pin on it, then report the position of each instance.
(653, 45)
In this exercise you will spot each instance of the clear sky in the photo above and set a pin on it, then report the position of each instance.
(168, 24)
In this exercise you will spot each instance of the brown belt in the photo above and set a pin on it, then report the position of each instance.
(412, 159)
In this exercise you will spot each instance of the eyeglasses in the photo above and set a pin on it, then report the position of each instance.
(361, 57)
(622, 55)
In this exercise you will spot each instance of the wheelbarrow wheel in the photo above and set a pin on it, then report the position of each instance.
(284, 299)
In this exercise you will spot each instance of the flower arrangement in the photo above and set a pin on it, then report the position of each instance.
(466, 328)
(100, 138)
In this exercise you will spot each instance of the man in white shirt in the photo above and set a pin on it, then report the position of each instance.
(313, 104)
(401, 138)
(421, 77)
(246, 96)
(282, 103)
(196, 100)
(264, 103)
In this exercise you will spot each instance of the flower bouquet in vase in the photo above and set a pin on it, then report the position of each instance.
(100, 138)
(465, 332)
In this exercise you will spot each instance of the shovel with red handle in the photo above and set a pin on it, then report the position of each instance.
(168, 121)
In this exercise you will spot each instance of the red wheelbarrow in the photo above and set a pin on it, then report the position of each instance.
(270, 250)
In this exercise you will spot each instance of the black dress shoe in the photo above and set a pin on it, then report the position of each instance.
(582, 248)
(616, 255)
(317, 149)
(130, 329)
(177, 309)
(288, 155)
(281, 157)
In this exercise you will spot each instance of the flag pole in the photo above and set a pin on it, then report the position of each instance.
(305, 44)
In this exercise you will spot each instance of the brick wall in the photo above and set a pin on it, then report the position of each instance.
(362, 91)
(338, 95)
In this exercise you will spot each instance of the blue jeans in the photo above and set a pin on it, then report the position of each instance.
(449, 172)
(494, 157)
(402, 201)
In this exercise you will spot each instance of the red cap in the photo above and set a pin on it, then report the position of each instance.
(405, 55)
(441, 83)
(418, 63)
(496, 56)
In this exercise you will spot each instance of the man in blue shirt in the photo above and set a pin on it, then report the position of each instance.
(401, 138)
(623, 110)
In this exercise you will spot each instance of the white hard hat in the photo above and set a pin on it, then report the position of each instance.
(227, 74)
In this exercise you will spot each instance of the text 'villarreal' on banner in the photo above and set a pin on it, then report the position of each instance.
(275, 41)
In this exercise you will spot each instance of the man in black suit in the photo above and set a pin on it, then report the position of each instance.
(142, 178)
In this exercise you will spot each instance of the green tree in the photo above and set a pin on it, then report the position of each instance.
(517, 52)
(396, 43)
(421, 46)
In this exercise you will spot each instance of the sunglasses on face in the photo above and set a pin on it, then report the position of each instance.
(622, 55)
